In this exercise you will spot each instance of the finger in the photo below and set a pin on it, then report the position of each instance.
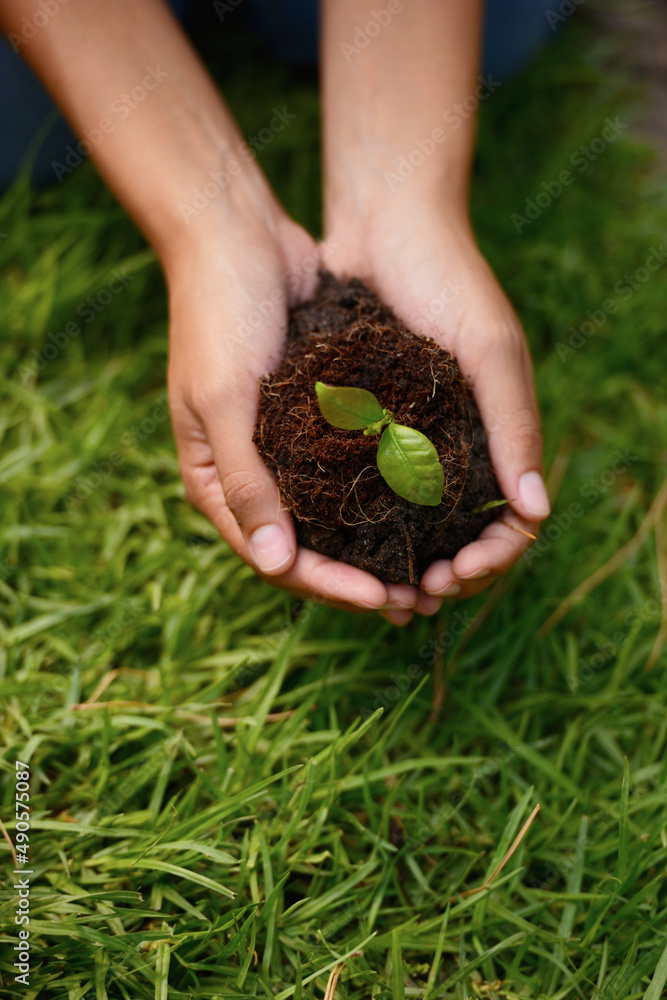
(311, 576)
(304, 597)
(397, 617)
(202, 482)
(494, 552)
(440, 580)
(318, 576)
(427, 604)
(400, 596)
(505, 396)
(249, 489)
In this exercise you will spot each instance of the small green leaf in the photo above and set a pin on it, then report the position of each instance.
(409, 464)
(489, 505)
(348, 408)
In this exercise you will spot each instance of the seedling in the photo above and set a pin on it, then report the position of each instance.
(406, 459)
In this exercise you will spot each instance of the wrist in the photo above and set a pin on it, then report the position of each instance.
(366, 231)
(224, 206)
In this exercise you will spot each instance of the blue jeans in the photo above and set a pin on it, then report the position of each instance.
(514, 32)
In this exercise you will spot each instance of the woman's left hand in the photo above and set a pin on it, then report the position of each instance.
(425, 264)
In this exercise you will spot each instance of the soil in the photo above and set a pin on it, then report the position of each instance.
(328, 477)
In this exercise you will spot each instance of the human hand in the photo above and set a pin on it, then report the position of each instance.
(426, 265)
(228, 315)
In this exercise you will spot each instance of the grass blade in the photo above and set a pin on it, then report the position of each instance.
(397, 981)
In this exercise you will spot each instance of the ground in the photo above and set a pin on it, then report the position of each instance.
(363, 779)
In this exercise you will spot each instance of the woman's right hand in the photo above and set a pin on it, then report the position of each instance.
(229, 297)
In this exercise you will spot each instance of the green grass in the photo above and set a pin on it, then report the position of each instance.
(175, 858)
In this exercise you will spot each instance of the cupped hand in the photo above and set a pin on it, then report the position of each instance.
(228, 318)
(426, 265)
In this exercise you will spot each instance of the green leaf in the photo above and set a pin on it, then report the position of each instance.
(397, 981)
(409, 464)
(490, 505)
(654, 992)
(348, 408)
(623, 823)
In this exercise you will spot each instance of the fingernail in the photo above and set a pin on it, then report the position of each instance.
(533, 494)
(451, 590)
(477, 575)
(269, 548)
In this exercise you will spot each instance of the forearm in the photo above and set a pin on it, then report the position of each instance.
(156, 148)
(401, 95)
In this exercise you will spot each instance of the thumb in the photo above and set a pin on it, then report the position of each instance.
(506, 399)
(250, 490)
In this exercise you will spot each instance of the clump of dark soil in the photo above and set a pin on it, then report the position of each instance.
(328, 478)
